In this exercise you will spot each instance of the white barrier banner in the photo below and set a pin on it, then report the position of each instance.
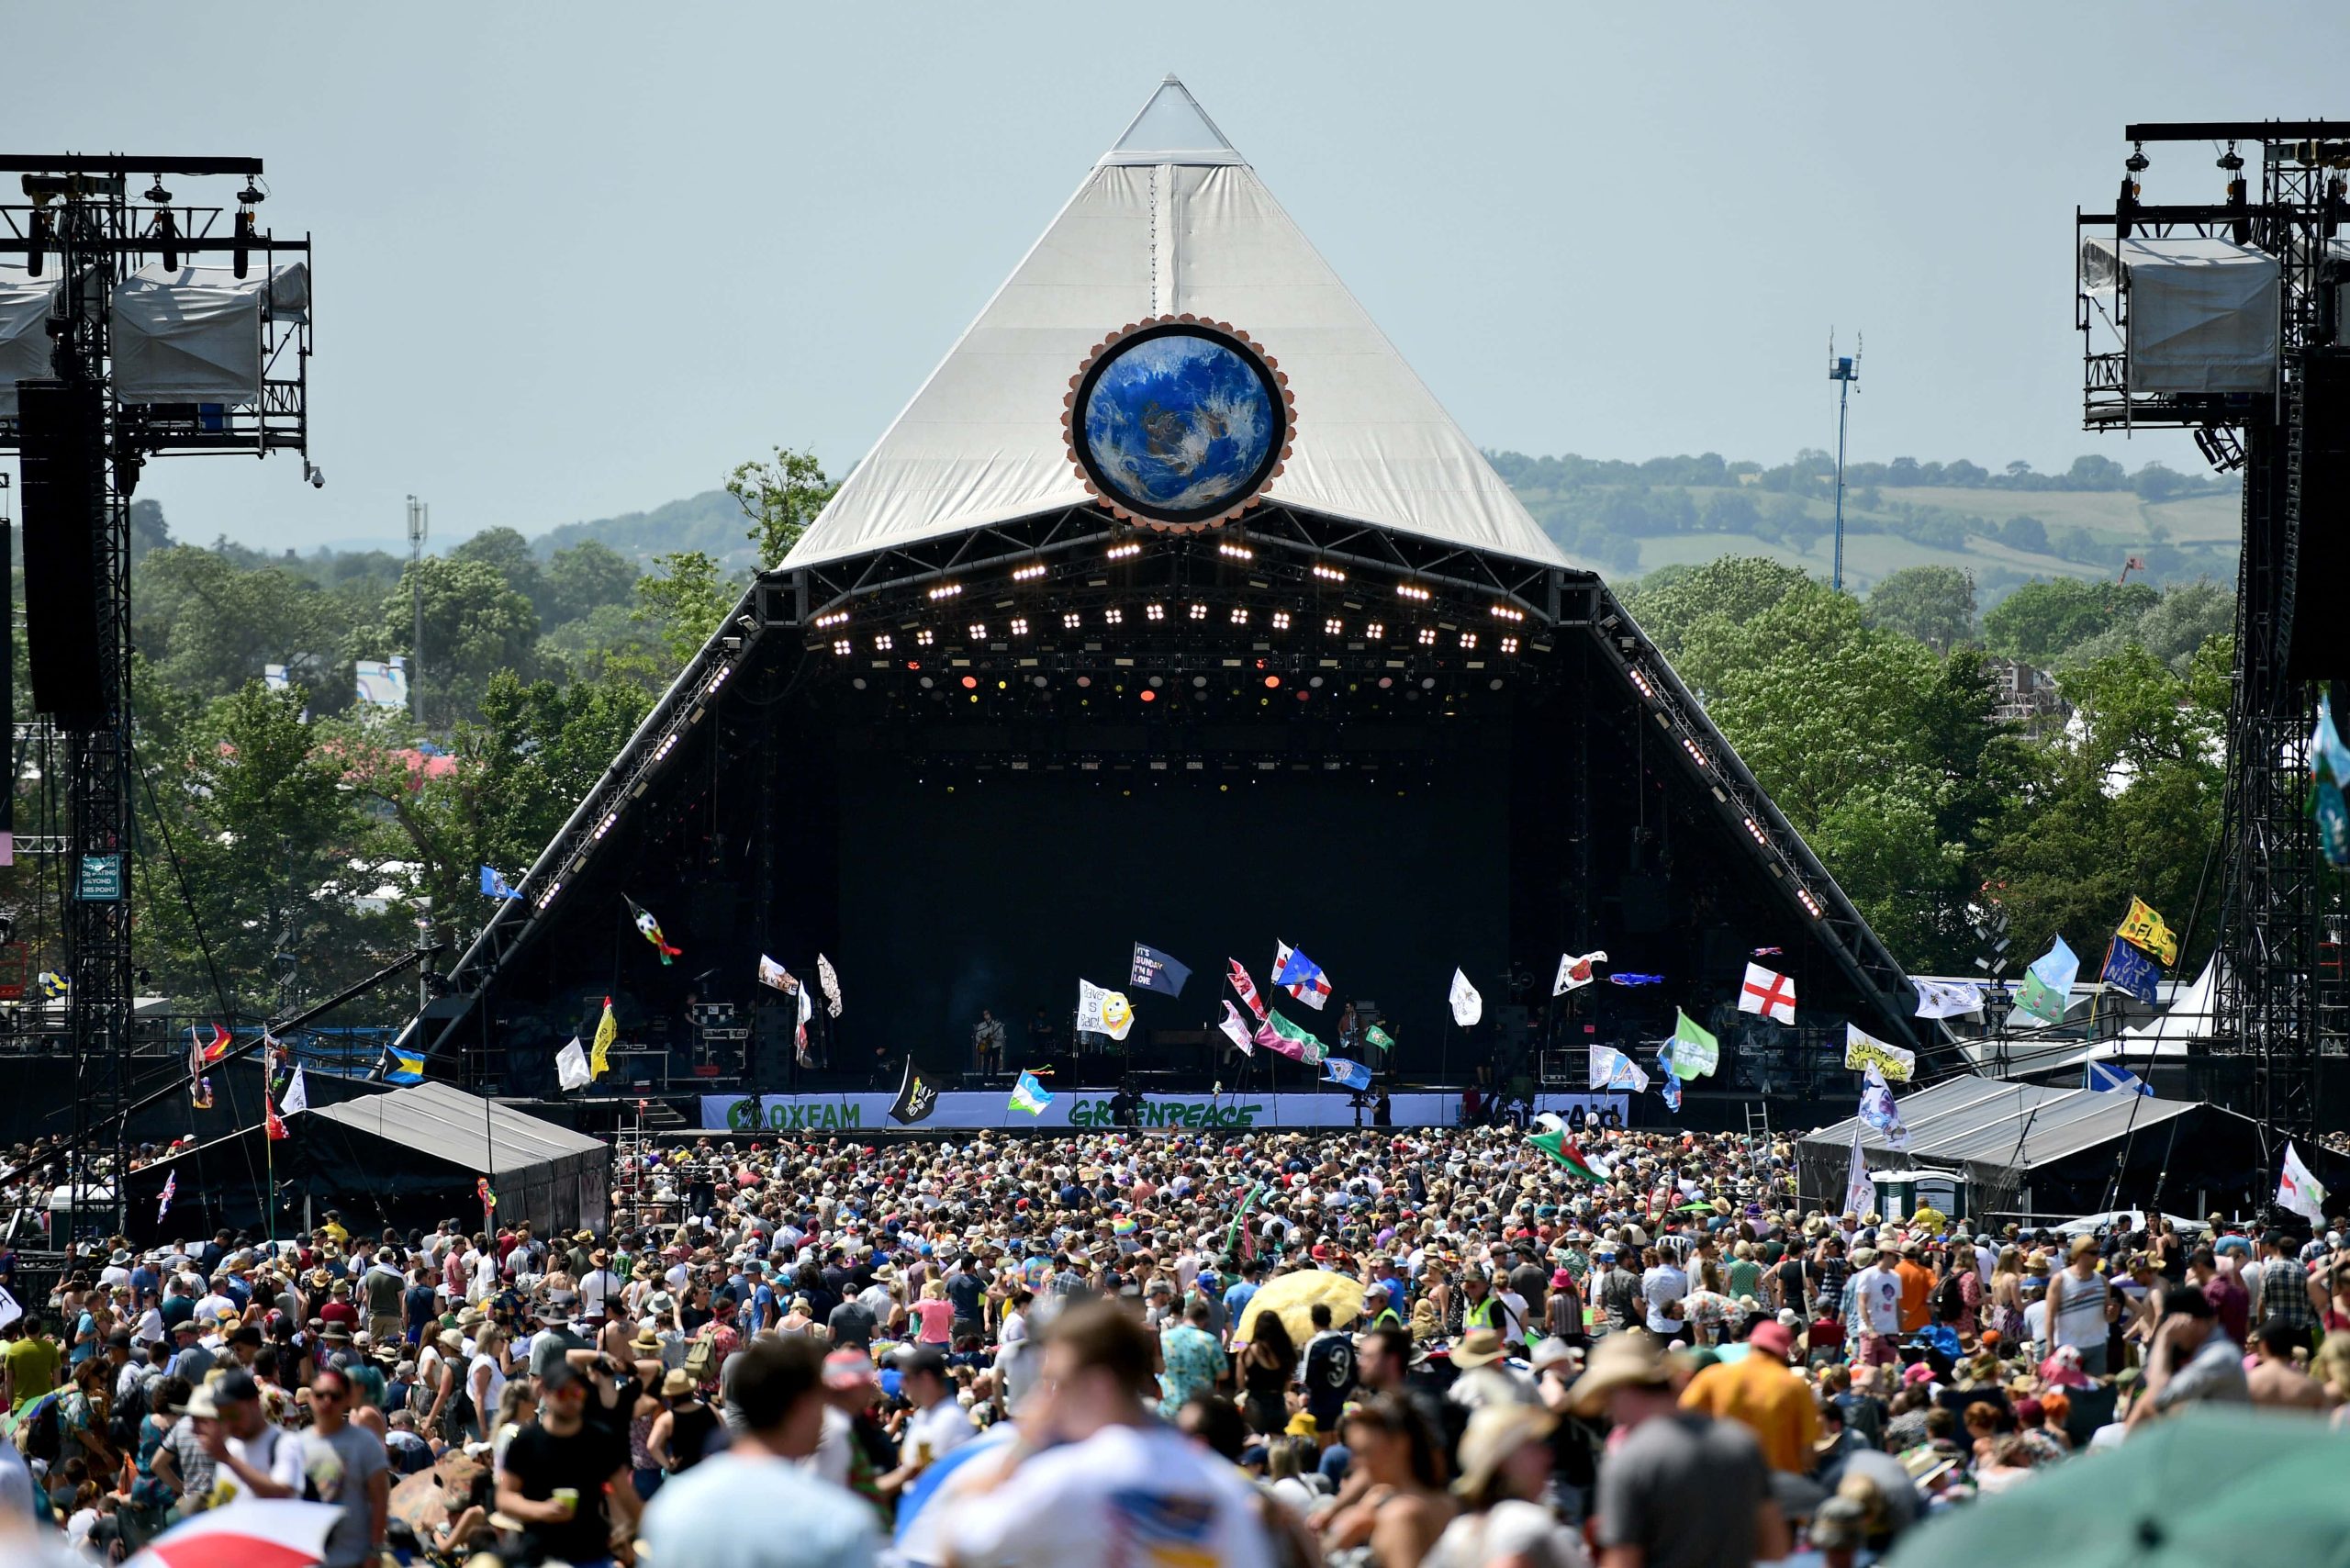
(1090, 1108)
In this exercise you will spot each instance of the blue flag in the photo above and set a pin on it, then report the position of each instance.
(405, 1069)
(494, 884)
(2130, 971)
(1672, 1086)
(1154, 971)
(1353, 1074)
(2097, 1075)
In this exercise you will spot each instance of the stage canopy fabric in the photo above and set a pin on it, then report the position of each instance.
(25, 305)
(1172, 221)
(2050, 1149)
(399, 1156)
(2202, 311)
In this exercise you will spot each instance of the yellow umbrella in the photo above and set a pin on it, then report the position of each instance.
(1292, 1297)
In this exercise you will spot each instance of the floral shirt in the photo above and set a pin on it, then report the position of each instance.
(1195, 1361)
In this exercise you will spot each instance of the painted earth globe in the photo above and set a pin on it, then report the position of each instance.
(1180, 424)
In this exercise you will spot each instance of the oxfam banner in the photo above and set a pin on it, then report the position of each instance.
(1075, 1108)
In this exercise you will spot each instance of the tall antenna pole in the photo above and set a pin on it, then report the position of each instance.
(1844, 371)
(420, 522)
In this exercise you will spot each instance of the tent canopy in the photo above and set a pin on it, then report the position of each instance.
(461, 1130)
(1172, 221)
(2203, 312)
(1968, 1119)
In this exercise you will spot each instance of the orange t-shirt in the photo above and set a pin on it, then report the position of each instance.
(1917, 1296)
(1768, 1399)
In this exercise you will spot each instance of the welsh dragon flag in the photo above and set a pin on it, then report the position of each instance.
(1553, 1141)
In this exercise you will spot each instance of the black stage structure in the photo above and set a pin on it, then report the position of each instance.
(974, 758)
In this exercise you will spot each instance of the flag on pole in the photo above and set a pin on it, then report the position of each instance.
(272, 1124)
(1154, 971)
(1300, 976)
(2127, 969)
(1467, 1005)
(1245, 989)
(650, 929)
(830, 984)
(2298, 1189)
(608, 1034)
(212, 1050)
(494, 884)
(807, 996)
(775, 974)
(571, 1068)
(1553, 1141)
(1375, 1036)
(9, 1312)
(1029, 1095)
(1696, 1053)
(1611, 1068)
(1669, 1084)
(1878, 1110)
(2149, 931)
(2098, 1076)
(1768, 992)
(1946, 999)
(1860, 1193)
(916, 1099)
(1101, 1011)
(1285, 1039)
(1353, 1074)
(298, 1095)
(1574, 971)
(405, 1069)
(1235, 1029)
(2047, 988)
(1233, 1230)
(1863, 1051)
(164, 1200)
(2329, 772)
(1628, 977)
(488, 1198)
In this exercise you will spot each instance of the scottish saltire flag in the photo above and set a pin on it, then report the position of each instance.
(2127, 969)
(405, 1069)
(494, 884)
(2047, 988)
(171, 1190)
(2097, 1075)
(1353, 1074)
(1300, 976)
(1154, 971)
(1029, 1095)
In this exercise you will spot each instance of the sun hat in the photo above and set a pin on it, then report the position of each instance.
(1495, 1432)
(1633, 1359)
(1478, 1347)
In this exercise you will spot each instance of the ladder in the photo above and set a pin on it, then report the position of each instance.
(1758, 1119)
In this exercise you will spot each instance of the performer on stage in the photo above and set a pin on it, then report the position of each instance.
(1043, 1038)
(987, 1043)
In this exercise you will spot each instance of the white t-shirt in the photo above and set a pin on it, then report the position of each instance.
(1663, 1286)
(1876, 1291)
(1146, 1489)
(945, 1425)
(259, 1453)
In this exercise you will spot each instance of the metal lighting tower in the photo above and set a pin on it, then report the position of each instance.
(1844, 372)
(419, 522)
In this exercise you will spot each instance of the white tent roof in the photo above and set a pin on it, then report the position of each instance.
(2192, 1017)
(1172, 221)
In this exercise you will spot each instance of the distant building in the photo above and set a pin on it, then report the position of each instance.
(2027, 696)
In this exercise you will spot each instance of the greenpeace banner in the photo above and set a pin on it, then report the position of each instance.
(870, 1112)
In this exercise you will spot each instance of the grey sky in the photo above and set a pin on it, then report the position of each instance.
(580, 259)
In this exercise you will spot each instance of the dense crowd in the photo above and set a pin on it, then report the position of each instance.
(1385, 1347)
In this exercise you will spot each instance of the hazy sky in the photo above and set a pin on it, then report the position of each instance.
(578, 260)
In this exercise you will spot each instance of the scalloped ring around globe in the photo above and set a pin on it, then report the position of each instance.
(1179, 423)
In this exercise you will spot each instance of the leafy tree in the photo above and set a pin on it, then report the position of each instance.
(2025, 532)
(2041, 619)
(475, 626)
(208, 626)
(2173, 631)
(781, 499)
(685, 603)
(587, 577)
(1933, 604)
(509, 554)
(1670, 604)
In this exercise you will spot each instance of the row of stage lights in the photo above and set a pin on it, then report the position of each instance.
(1152, 685)
(1237, 615)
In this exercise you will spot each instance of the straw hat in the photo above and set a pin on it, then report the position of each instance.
(1495, 1432)
(1633, 1359)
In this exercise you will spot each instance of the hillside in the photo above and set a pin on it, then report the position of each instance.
(711, 523)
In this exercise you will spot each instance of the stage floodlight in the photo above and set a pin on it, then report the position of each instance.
(1427, 636)
(1148, 695)
(1121, 552)
(1239, 616)
(1199, 612)
(1272, 681)
(1028, 573)
(1329, 574)
(924, 638)
(832, 618)
(1113, 616)
(978, 631)
(1020, 626)
(1332, 626)
(1468, 639)
(1232, 552)
(1508, 613)
(1072, 620)
(1375, 631)
(841, 647)
(1412, 591)
(1641, 681)
(1811, 903)
(946, 590)
(970, 683)
(1754, 830)
(1154, 611)
(1509, 644)
(1386, 681)
(1281, 619)
(884, 643)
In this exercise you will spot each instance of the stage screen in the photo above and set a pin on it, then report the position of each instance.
(1006, 891)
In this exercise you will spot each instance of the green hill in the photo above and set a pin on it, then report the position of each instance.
(710, 523)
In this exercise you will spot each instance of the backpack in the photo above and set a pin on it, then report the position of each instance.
(701, 1358)
(1950, 1300)
(122, 1421)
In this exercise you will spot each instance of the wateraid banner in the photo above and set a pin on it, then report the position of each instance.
(1073, 1108)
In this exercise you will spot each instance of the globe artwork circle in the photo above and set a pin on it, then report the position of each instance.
(1178, 424)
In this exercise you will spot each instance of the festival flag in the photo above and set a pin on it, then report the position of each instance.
(494, 884)
(1574, 971)
(164, 1200)
(650, 929)
(2047, 988)
(1352, 1074)
(1669, 1084)
(830, 984)
(297, 1094)
(571, 1068)
(272, 1124)
(1769, 952)
(1860, 1193)
(405, 1069)
(2298, 1189)
(608, 1034)
(1101, 1011)
(488, 1198)
(1696, 1053)
(916, 1099)
(1234, 1229)
(1878, 1110)
(1375, 1036)
(2097, 1075)
(1154, 971)
(2146, 929)
(2329, 774)
(1611, 1068)
(1235, 1029)
(1553, 1141)
(1029, 1095)
(1247, 990)
(1628, 979)
(1864, 1051)
(1285, 1039)
(1467, 1005)
(1946, 999)
(1768, 992)
(807, 996)
(775, 974)
(2127, 969)
(1300, 976)
(212, 1050)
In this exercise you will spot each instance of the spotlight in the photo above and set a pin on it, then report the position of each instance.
(1121, 552)
(922, 638)
(1375, 631)
(1154, 611)
(1329, 574)
(1272, 681)
(1508, 613)
(1236, 551)
(1696, 754)
(1020, 626)
(1239, 616)
(946, 590)
(1412, 591)
(1754, 830)
(1115, 616)
(1072, 620)
(884, 643)
(1199, 612)
(833, 619)
(1084, 680)
(978, 631)
(1332, 626)
(970, 683)
(1468, 639)
(1386, 681)
(1148, 695)
(1509, 644)
(1641, 681)
(1811, 904)
(1033, 570)
(1281, 619)
(842, 646)
(1427, 636)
